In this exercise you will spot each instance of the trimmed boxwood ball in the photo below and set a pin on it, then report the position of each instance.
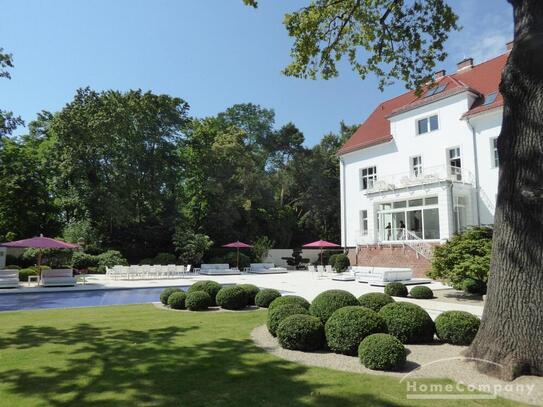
(277, 315)
(408, 322)
(232, 298)
(210, 287)
(166, 294)
(382, 352)
(348, 326)
(375, 301)
(250, 291)
(396, 290)
(301, 332)
(198, 301)
(327, 302)
(289, 299)
(177, 300)
(421, 292)
(457, 327)
(266, 296)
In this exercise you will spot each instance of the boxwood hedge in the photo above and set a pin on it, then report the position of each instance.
(408, 322)
(301, 332)
(324, 304)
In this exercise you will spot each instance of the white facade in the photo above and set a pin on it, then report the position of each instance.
(428, 185)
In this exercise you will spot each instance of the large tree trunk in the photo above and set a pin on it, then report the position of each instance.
(511, 332)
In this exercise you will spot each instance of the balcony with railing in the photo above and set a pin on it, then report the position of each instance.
(427, 175)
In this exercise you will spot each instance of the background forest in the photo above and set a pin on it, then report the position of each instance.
(135, 172)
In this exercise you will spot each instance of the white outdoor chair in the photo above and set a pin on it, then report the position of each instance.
(320, 271)
(328, 268)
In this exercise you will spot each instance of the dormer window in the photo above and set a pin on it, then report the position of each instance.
(427, 124)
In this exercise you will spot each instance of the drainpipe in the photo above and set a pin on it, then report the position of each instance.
(477, 186)
(344, 201)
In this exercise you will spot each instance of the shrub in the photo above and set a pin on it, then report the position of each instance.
(466, 255)
(289, 299)
(12, 267)
(408, 322)
(233, 297)
(457, 327)
(109, 259)
(165, 259)
(198, 301)
(471, 286)
(146, 261)
(396, 290)
(382, 352)
(277, 315)
(324, 304)
(83, 261)
(421, 292)
(177, 300)
(341, 263)
(261, 247)
(266, 296)
(24, 273)
(375, 301)
(349, 325)
(301, 332)
(332, 259)
(166, 294)
(209, 286)
(250, 291)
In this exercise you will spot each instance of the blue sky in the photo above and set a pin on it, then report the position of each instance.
(212, 53)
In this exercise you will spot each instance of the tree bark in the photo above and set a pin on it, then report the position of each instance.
(510, 340)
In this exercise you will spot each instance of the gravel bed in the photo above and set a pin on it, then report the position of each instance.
(436, 360)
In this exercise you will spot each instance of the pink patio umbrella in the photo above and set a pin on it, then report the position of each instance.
(320, 244)
(237, 245)
(39, 243)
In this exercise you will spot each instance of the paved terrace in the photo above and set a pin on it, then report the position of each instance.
(301, 283)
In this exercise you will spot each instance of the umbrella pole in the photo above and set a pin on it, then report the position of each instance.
(39, 263)
(321, 257)
(238, 259)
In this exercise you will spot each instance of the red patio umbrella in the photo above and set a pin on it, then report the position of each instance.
(237, 245)
(320, 244)
(39, 243)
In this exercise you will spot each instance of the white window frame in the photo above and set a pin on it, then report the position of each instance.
(418, 169)
(457, 173)
(370, 178)
(363, 222)
(494, 157)
(427, 118)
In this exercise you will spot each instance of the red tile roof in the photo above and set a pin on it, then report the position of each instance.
(482, 79)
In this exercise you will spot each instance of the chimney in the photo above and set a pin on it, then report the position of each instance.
(465, 65)
(439, 74)
(509, 45)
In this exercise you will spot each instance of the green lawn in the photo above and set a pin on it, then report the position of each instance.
(139, 355)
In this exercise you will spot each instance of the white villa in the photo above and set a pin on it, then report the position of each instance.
(420, 169)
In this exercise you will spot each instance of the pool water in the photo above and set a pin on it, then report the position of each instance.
(90, 298)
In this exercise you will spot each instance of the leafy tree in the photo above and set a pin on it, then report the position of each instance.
(403, 40)
(191, 246)
(26, 208)
(118, 167)
(8, 122)
(261, 247)
(465, 256)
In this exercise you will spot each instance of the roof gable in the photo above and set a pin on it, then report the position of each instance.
(483, 79)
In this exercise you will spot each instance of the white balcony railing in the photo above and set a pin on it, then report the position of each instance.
(428, 175)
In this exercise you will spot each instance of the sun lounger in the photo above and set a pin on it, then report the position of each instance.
(381, 275)
(265, 268)
(217, 270)
(57, 277)
(9, 278)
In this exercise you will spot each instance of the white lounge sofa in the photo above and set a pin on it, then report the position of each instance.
(381, 275)
(217, 270)
(9, 278)
(265, 268)
(57, 277)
